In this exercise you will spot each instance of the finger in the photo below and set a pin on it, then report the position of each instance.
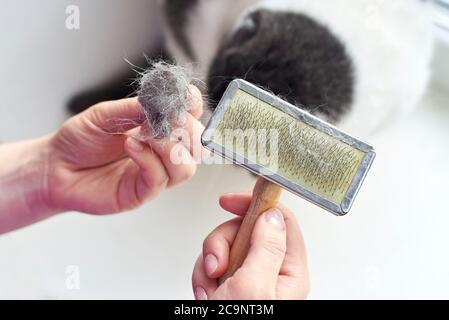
(196, 102)
(152, 177)
(216, 248)
(237, 203)
(203, 286)
(189, 134)
(295, 261)
(176, 159)
(116, 116)
(177, 152)
(266, 253)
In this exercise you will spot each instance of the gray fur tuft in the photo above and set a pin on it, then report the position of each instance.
(164, 96)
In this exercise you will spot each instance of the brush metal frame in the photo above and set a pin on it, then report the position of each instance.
(301, 115)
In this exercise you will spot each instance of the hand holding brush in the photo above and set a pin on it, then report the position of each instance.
(276, 264)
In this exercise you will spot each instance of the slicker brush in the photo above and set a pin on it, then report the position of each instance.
(289, 149)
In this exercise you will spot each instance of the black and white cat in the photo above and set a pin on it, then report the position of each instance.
(357, 63)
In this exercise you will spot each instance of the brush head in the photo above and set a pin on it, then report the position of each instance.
(288, 146)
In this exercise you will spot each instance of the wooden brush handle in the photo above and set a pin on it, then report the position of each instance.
(265, 196)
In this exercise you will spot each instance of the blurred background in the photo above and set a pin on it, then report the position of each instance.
(393, 244)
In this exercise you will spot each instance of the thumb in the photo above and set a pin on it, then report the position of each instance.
(267, 251)
(116, 116)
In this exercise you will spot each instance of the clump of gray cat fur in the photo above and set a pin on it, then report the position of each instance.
(164, 95)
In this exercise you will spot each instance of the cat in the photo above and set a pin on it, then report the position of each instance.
(354, 63)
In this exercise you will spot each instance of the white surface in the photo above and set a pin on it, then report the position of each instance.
(43, 64)
(392, 245)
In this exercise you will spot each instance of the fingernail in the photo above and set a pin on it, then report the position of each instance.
(275, 218)
(134, 144)
(210, 264)
(200, 294)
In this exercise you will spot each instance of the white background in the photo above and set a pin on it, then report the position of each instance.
(392, 245)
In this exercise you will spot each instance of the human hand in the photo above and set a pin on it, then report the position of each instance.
(96, 166)
(276, 265)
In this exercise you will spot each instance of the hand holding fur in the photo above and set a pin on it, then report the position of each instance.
(92, 164)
